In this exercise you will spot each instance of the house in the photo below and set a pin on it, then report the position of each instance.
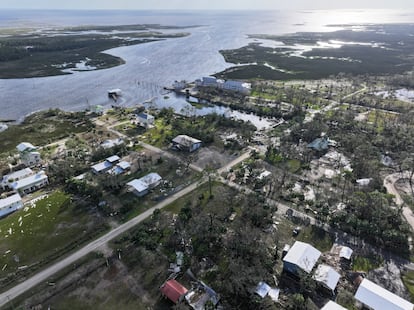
(301, 257)
(173, 290)
(10, 204)
(363, 182)
(107, 144)
(199, 296)
(327, 277)
(145, 120)
(30, 183)
(378, 298)
(331, 305)
(120, 168)
(263, 289)
(105, 165)
(29, 154)
(236, 86)
(209, 81)
(140, 187)
(14, 176)
(186, 143)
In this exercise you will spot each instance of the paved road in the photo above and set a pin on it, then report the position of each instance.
(71, 259)
(389, 183)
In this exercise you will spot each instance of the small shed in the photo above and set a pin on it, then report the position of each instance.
(173, 290)
(345, 253)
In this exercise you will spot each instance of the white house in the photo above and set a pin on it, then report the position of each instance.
(120, 168)
(186, 143)
(104, 166)
(140, 187)
(30, 183)
(236, 86)
(10, 204)
(145, 120)
(107, 144)
(378, 298)
(331, 305)
(301, 256)
(29, 154)
(14, 176)
(209, 81)
(327, 276)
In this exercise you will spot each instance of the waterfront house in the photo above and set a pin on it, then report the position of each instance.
(235, 86)
(173, 290)
(8, 179)
(377, 298)
(145, 120)
(10, 204)
(31, 183)
(29, 155)
(186, 143)
(300, 257)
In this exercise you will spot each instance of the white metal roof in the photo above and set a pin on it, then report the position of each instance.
(138, 185)
(331, 305)
(378, 298)
(151, 179)
(327, 275)
(185, 140)
(102, 166)
(124, 165)
(4, 203)
(302, 255)
(262, 289)
(33, 179)
(346, 252)
(18, 174)
(25, 146)
(113, 158)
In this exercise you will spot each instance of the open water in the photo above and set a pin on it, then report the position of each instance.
(151, 66)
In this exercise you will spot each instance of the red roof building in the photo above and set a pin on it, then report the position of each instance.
(173, 290)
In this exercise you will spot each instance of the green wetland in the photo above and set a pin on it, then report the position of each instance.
(373, 49)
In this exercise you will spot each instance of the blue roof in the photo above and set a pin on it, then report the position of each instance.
(319, 144)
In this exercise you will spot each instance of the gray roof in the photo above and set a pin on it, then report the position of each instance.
(379, 298)
(345, 252)
(302, 255)
(327, 275)
(9, 200)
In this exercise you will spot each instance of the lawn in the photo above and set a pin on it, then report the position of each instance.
(41, 232)
(408, 280)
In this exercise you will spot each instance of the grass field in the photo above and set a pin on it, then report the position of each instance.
(41, 232)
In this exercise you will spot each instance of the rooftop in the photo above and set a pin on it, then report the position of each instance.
(102, 166)
(379, 298)
(185, 140)
(138, 185)
(33, 179)
(302, 255)
(17, 174)
(173, 290)
(327, 275)
(331, 305)
(25, 146)
(113, 159)
(9, 200)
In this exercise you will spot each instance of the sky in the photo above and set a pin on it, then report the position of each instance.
(207, 4)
